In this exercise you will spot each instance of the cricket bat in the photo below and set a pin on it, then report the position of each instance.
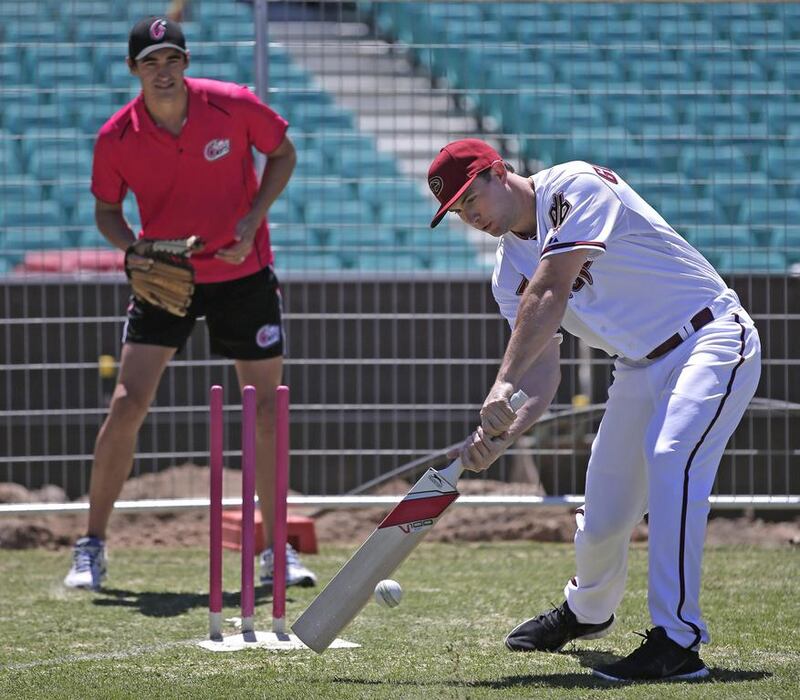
(383, 551)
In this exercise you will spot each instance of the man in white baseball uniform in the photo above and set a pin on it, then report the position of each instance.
(579, 249)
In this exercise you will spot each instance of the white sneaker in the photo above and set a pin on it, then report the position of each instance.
(296, 573)
(88, 564)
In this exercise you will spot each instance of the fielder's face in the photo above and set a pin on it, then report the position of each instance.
(161, 73)
(487, 205)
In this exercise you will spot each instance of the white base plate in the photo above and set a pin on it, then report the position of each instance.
(265, 640)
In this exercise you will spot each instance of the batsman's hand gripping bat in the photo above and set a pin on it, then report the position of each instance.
(383, 551)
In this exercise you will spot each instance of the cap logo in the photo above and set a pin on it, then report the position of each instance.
(158, 29)
(436, 184)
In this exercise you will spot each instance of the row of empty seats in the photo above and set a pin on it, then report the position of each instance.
(695, 104)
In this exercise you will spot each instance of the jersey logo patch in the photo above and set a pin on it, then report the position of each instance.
(268, 335)
(216, 149)
(559, 208)
(606, 174)
(584, 277)
(522, 286)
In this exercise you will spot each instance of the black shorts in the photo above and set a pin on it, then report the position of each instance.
(243, 318)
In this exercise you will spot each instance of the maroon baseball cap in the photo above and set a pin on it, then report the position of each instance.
(152, 34)
(455, 168)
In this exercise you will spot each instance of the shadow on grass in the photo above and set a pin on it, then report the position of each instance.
(161, 604)
(587, 659)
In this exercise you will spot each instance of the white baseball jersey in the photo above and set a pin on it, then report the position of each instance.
(666, 421)
(642, 281)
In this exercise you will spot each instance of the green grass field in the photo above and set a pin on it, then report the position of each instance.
(136, 639)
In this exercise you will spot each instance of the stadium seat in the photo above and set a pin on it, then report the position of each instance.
(753, 261)
(68, 161)
(18, 116)
(701, 160)
(307, 260)
(10, 156)
(63, 73)
(18, 187)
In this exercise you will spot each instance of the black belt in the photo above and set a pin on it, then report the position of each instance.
(700, 319)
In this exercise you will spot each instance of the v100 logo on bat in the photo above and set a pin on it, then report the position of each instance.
(418, 525)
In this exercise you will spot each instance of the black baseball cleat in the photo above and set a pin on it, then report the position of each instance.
(658, 658)
(550, 631)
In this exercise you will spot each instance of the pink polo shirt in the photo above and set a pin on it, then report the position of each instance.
(201, 182)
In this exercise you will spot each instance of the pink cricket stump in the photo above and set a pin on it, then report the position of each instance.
(248, 506)
(279, 527)
(215, 522)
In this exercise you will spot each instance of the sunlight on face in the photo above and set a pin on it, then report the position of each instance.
(482, 206)
(161, 73)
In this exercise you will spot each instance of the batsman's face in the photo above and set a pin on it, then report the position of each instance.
(486, 204)
(161, 73)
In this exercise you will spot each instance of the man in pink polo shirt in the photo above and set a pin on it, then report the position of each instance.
(183, 147)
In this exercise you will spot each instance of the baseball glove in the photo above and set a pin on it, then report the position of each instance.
(160, 272)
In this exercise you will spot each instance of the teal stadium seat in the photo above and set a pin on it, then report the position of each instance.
(18, 116)
(30, 214)
(702, 160)
(18, 188)
(68, 161)
(23, 30)
(308, 260)
(752, 261)
(349, 223)
(10, 155)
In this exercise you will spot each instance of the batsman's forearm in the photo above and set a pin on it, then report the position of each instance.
(112, 224)
(540, 382)
(540, 314)
(277, 173)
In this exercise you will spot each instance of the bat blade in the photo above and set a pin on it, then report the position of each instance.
(383, 551)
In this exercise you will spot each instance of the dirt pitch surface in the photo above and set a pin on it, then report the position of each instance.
(460, 524)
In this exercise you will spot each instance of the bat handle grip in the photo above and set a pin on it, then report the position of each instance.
(453, 472)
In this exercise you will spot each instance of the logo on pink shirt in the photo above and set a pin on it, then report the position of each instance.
(216, 149)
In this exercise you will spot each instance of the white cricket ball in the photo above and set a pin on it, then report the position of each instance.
(388, 593)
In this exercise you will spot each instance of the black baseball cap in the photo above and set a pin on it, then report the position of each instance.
(152, 34)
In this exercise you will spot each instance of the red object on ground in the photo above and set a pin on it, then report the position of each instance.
(301, 533)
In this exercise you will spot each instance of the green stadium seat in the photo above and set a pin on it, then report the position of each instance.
(320, 118)
(10, 155)
(39, 137)
(212, 12)
(707, 237)
(292, 235)
(284, 211)
(74, 12)
(363, 165)
(381, 192)
(113, 32)
(386, 262)
(69, 160)
(18, 187)
(16, 240)
(781, 161)
(753, 261)
(683, 214)
(30, 214)
(700, 159)
(787, 241)
(34, 30)
(310, 260)
(346, 223)
(18, 116)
